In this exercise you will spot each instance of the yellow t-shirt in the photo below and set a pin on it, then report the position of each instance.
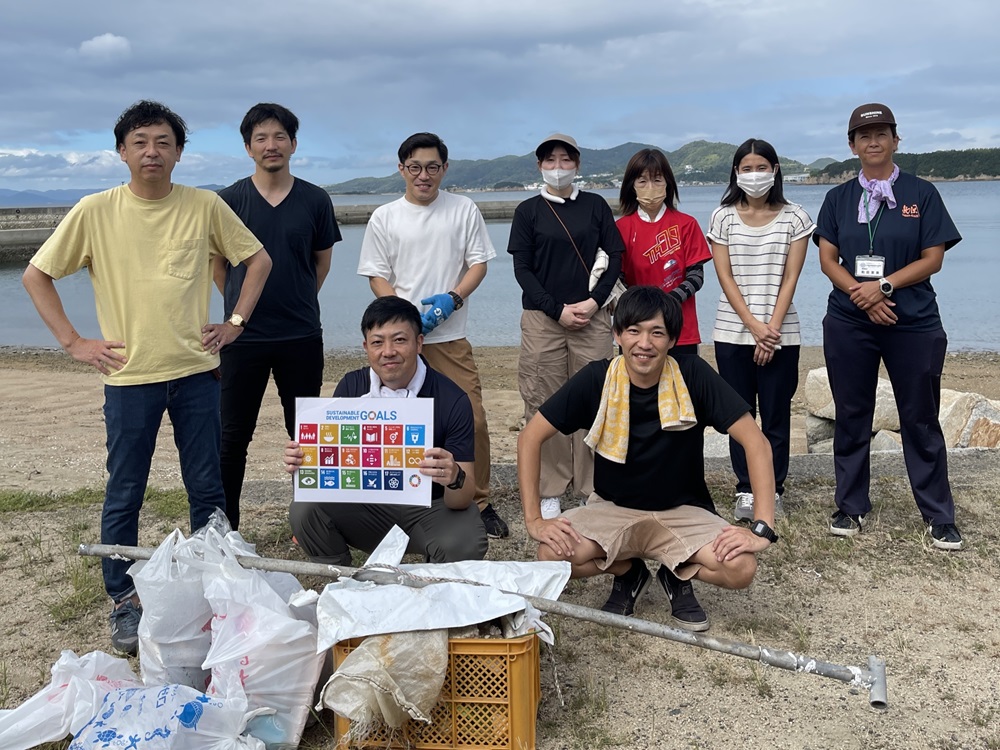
(150, 264)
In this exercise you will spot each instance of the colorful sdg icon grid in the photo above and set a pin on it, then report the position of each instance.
(360, 456)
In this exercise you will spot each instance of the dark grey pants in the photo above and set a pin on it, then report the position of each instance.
(325, 530)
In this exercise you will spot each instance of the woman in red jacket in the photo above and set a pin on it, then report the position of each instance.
(663, 247)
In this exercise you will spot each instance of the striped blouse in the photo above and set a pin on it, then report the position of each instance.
(757, 256)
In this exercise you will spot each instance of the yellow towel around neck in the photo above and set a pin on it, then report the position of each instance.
(609, 433)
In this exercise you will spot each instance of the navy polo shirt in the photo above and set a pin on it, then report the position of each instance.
(919, 221)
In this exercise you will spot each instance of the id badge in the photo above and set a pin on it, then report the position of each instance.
(869, 267)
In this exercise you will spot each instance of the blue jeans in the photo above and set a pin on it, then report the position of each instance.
(132, 416)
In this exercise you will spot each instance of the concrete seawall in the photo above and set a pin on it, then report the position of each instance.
(23, 230)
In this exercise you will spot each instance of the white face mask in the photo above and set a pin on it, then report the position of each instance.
(559, 179)
(755, 184)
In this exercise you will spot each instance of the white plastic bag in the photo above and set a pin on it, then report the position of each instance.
(258, 641)
(170, 717)
(389, 679)
(78, 685)
(175, 630)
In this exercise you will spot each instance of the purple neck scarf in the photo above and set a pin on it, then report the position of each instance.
(878, 191)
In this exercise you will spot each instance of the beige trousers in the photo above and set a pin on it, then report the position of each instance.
(454, 360)
(551, 355)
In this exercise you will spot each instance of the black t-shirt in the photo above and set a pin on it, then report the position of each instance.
(663, 469)
(545, 264)
(919, 221)
(302, 224)
(454, 429)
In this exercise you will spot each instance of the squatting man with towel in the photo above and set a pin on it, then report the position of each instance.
(451, 529)
(647, 413)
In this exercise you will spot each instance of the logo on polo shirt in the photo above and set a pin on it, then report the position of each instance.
(912, 211)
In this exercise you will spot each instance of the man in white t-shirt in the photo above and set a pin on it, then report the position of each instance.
(431, 248)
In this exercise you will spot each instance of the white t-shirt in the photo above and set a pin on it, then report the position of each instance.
(757, 256)
(425, 250)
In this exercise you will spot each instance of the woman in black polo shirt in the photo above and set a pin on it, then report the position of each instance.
(554, 240)
(881, 237)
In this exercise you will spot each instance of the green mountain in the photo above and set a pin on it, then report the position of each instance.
(700, 161)
(939, 165)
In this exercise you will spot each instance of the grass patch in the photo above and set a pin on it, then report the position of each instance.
(85, 590)
(167, 505)
(16, 501)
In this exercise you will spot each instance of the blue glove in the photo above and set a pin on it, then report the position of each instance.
(430, 322)
(442, 306)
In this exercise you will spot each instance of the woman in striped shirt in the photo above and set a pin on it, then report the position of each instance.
(759, 243)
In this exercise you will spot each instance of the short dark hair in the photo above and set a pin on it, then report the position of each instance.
(545, 151)
(265, 111)
(656, 162)
(851, 134)
(642, 303)
(145, 113)
(422, 140)
(388, 309)
(734, 193)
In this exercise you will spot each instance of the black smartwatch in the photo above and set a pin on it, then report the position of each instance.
(457, 299)
(459, 482)
(885, 286)
(761, 529)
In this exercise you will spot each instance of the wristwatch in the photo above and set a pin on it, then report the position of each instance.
(457, 299)
(761, 529)
(237, 320)
(886, 286)
(459, 482)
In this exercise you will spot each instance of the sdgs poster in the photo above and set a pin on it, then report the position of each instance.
(363, 450)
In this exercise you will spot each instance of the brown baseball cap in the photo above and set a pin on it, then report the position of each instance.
(870, 114)
(566, 140)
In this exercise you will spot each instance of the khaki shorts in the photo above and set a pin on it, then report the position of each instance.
(669, 536)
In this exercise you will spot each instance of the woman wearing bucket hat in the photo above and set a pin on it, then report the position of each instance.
(555, 239)
(759, 244)
(881, 237)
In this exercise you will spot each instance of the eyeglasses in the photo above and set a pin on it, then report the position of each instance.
(415, 169)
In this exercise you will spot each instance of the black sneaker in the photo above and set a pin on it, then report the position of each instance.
(842, 524)
(496, 528)
(125, 627)
(627, 588)
(945, 536)
(683, 605)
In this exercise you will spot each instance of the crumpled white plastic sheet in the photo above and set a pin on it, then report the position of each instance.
(349, 609)
(72, 697)
(389, 679)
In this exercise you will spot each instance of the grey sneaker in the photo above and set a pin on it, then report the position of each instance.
(842, 524)
(124, 620)
(744, 506)
(945, 536)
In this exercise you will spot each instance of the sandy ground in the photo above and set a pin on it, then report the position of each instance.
(935, 617)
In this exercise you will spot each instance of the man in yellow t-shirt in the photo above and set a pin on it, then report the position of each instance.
(148, 247)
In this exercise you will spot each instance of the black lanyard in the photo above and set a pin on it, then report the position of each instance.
(871, 229)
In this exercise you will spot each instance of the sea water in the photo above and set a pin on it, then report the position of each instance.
(965, 285)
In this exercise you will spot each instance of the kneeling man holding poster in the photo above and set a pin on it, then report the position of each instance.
(362, 466)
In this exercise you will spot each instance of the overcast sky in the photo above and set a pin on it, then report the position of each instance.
(492, 78)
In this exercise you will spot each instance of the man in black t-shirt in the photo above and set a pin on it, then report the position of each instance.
(650, 499)
(451, 529)
(285, 336)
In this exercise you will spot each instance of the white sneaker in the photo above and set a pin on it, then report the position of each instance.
(551, 507)
(744, 506)
(778, 507)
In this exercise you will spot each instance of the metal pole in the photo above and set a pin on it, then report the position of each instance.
(873, 678)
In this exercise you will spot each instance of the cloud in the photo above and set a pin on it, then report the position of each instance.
(492, 78)
(106, 48)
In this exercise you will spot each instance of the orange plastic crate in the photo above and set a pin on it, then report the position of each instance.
(489, 700)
